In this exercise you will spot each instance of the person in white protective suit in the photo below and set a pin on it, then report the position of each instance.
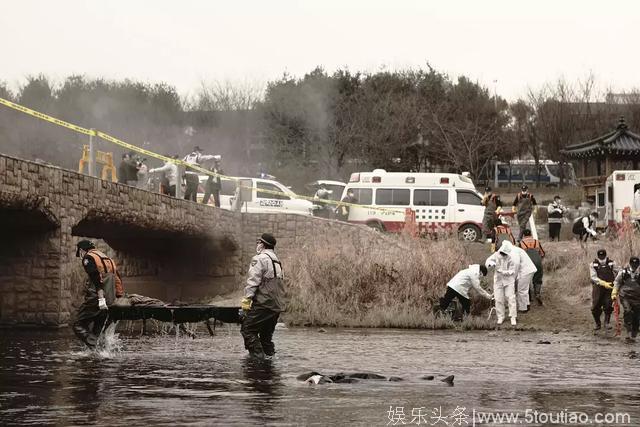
(526, 270)
(504, 280)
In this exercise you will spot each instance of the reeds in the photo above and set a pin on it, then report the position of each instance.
(389, 281)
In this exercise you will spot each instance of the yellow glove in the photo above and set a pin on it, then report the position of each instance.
(245, 304)
(607, 285)
(513, 209)
(499, 209)
(614, 294)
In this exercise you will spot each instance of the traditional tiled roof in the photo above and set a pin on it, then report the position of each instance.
(620, 141)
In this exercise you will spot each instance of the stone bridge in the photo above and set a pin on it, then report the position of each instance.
(165, 247)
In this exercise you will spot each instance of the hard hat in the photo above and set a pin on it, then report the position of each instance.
(602, 253)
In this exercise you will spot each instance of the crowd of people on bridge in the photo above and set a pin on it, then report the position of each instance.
(133, 170)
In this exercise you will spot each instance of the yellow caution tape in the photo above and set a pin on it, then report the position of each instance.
(47, 118)
(190, 166)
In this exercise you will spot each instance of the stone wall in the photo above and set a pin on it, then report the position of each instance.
(173, 248)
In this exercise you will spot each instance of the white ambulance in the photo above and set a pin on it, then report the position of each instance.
(442, 202)
(617, 194)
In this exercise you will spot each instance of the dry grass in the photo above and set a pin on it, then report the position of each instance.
(389, 282)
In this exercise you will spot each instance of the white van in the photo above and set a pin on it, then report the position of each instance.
(256, 196)
(616, 195)
(442, 202)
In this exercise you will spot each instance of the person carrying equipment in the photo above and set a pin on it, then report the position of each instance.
(603, 273)
(524, 205)
(459, 286)
(627, 288)
(104, 285)
(492, 204)
(501, 232)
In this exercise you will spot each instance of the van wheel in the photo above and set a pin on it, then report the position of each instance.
(469, 233)
(376, 226)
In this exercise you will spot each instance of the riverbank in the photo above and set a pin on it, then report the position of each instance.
(395, 284)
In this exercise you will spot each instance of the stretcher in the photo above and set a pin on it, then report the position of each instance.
(175, 313)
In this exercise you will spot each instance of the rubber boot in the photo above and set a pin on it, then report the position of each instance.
(607, 321)
(85, 336)
(598, 324)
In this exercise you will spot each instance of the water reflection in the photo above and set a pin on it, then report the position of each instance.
(264, 383)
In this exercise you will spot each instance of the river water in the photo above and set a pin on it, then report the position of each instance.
(46, 378)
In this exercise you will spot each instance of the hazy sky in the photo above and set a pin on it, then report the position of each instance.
(520, 44)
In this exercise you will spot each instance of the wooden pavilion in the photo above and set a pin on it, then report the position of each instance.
(598, 158)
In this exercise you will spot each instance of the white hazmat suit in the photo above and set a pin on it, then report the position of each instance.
(526, 270)
(504, 280)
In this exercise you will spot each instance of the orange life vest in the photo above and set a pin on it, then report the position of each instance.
(106, 265)
(531, 243)
(503, 229)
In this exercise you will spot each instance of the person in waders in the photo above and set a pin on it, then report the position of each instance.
(534, 250)
(603, 273)
(627, 288)
(264, 299)
(524, 205)
(492, 204)
(104, 285)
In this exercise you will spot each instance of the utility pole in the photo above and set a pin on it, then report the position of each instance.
(92, 152)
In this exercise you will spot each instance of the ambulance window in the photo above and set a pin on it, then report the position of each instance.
(430, 197)
(421, 197)
(363, 196)
(468, 198)
(270, 187)
(439, 197)
(389, 196)
(601, 199)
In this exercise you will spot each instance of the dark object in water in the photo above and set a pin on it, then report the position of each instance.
(307, 375)
(367, 376)
(175, 314)
(448, 380)
(428, 377)
(342, 378)
(395, 379)
(544, 342)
